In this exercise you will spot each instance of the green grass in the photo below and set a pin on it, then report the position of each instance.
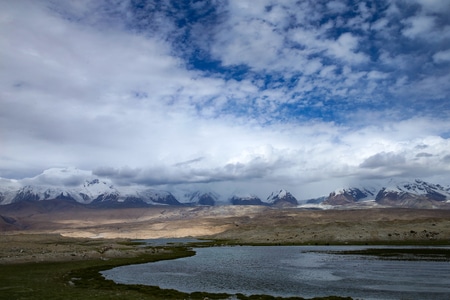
(82, 280)
(329, 243)
(78, 279)
(433, 254)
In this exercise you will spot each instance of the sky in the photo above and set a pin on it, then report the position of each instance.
(237, 96)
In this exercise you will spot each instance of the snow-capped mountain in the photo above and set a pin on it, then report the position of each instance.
(414, 194)
(95, 192)
(350, 196)
(8, 190)
(86, 193)
(282, 198)
(201, 198)
(78, 186)
(81, 187)
(417, 194)
(246, 200)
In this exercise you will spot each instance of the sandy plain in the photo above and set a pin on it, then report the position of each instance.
(35, 232)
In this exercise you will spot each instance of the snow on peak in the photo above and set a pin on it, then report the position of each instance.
(277, 195)
(198, 197)
(358, 193)
(281, 196)
(417, 186)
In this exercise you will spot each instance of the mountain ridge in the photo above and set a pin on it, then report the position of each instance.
(84, 188)
(282, 198)
(415, 194)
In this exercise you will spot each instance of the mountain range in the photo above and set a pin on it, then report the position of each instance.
(79, 187)
(415, 194)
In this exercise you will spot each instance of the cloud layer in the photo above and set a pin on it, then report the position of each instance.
(241, 94)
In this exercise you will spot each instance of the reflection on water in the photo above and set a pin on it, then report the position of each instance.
(292, 271)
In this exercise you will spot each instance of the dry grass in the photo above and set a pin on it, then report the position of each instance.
(246, 224)
(39, 263)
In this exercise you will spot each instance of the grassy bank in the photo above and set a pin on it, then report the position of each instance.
(81, 279)
(77, 279)
(53, 267)
(430, 254)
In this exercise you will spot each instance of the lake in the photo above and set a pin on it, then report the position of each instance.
(287, 271)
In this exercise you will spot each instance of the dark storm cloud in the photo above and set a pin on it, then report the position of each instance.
(423, 154)
(383, 160)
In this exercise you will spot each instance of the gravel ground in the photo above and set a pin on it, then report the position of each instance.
(24, 248)
(101, 234)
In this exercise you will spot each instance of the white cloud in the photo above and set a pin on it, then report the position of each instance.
(337, 6)
(376, 75)
(252, 42)
(434, 6)
(380, 24)
(293, 157)
(346, 48)
(418, 26)
(79, 91)
(442, 56)
(261, 39)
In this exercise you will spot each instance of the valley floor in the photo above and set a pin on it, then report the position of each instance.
(46, 253)
(243, 224)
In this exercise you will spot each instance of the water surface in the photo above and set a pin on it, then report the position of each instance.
(292, 271)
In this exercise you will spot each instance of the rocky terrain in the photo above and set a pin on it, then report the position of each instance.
(25, 248)
(353, 226)
(250, 223)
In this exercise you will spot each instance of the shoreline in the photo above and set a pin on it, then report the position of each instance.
(79, 274)
(78, 277)
(39, 260)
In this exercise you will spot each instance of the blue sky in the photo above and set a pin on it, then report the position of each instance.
(238, 96)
